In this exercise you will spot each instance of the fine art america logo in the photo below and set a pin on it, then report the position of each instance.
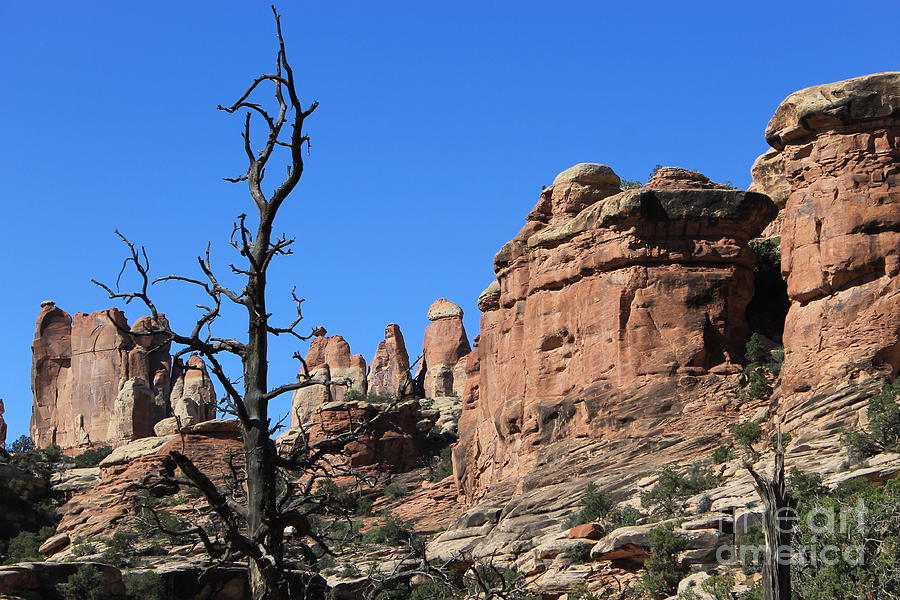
(819, 523)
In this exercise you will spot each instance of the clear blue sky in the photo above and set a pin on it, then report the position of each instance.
(439, 123)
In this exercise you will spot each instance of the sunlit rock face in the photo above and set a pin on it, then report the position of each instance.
(98, 381)
(389, 370)
(835, 167)
(328, 358)
(602, 293)
(443, 351)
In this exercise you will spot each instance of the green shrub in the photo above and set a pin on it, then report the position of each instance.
(92, 457)
(627, 184)
(580, 553)
(442, 465)
(23, 444)
(81, 549)
(673, 487)
(661, 569)
(882, 433)
(754, 593)
(624, 516)
(746, 435)
(804, 486)
(120, 548)
(717, 587)
(763, 366)
(146, 585)
(722, 454)
(84, 584)
(392, 532)
(868, 544)
(394, 491)
(24, 547)
(595, 505)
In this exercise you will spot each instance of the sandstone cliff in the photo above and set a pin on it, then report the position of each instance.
(837, 158)
(94, 383)
(835, 167)
(605, 304)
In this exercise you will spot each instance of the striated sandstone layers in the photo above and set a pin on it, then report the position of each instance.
(604, 302)
(389, 370)
(443, 351)
(328, 358)
(93, 382)
(835, 168)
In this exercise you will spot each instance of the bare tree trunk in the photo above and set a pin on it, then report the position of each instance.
(778, 521)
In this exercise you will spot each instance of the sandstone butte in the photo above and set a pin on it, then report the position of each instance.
(95, 381)
(610, 310)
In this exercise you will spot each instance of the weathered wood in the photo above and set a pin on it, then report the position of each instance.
(779, 517)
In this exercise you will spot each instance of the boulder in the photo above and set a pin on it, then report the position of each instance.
(38, 580)
(54, 544)
(132, 450)
(588, 531)
(632, 544)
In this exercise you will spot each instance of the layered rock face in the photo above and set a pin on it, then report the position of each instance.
(676, 178)
(93, 382)
(446, 345)
(835, 167)
(603, 301)
(393, 444)
(328, 358)
(389, 370)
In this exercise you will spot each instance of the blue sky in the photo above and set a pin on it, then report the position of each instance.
(439, 123)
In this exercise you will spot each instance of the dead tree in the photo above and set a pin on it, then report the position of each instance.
(280, 488)
(779, 517)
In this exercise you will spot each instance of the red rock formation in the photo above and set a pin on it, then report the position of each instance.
(445, 346)
(51, 366)
(93, 383)
(193, 397)
(676, 178)
(636, 290)
(94, 511)
(328, 358)
(392, 445)
(836, 168)
(389, 369)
